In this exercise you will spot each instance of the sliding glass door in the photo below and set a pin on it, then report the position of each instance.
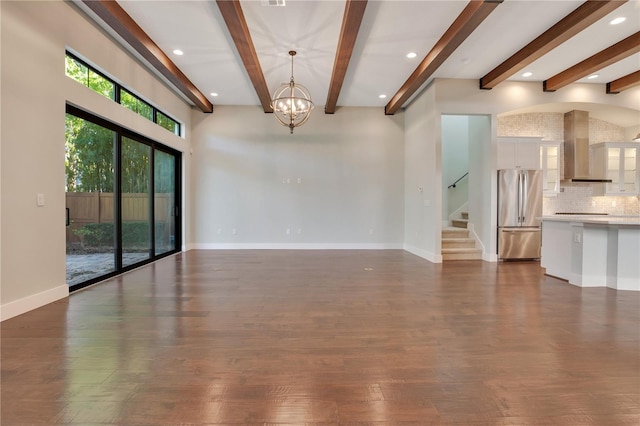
(135, 198)
(122, 199)
(165, 201)
(90, 210)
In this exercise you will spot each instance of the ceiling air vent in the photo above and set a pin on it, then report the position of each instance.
(273, 3)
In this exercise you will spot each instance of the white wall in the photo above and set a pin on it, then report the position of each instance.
(423, 180)
(455, 162)
(34, 89)
(482, 183)
(337, 182)
(631, 132)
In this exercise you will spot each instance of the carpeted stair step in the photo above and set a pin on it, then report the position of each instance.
(451, 232)
(461, 254)
(458, 243)
(459, 223)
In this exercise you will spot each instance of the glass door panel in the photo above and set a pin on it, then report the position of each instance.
(165, 201)
(613, 169)
(629, 166)
(551, 168)
(90, 210)
(135, 201)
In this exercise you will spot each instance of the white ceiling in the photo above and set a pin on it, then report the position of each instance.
(390, 29)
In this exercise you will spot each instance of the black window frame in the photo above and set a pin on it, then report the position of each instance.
(117, 97)
(121, 133)
(141, 101)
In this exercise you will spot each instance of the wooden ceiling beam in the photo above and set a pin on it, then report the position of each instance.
(116, 17)
(351, 20)
(600, 60)
(582, 17)
(237, 26)
(473, 14)
(624, 83)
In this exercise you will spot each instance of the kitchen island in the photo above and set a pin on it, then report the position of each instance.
(592, 251)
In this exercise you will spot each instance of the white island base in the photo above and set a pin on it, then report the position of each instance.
(592, 251)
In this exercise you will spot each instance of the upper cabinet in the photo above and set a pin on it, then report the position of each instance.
(618, 161)
(518, 153)
(550, 165)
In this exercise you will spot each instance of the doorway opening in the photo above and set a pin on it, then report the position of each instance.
(467, 170)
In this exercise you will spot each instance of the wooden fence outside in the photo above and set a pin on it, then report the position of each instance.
(97, 207)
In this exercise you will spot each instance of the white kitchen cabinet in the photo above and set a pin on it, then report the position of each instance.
(618, 161)
(592, 251)
(518, 153)
(550, 166)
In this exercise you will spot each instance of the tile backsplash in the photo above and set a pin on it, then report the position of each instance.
(578, 197)
(547, 125)
(550, 127)
(575, 197)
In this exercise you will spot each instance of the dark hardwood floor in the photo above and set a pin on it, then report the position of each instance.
(324, 338)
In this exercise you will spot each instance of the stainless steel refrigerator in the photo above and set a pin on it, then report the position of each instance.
(519, 212)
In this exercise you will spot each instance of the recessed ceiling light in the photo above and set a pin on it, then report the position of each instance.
(592, 76)
(618, 20)
(178, 52)
(382, 96)
(527, 74)
(411, 55)
(214, 94)
(466, 61)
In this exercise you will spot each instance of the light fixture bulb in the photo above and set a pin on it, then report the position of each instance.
(592, 76)
(411, 55)
(527, 74)
(618, 20)
(178, 52)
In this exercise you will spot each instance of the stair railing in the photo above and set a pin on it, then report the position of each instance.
(453, 185)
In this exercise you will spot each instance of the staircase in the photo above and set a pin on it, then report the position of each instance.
(456, 243)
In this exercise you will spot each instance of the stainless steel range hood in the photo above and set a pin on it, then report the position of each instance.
(576, 148)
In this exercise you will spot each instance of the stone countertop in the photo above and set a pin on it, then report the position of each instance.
(596, 219)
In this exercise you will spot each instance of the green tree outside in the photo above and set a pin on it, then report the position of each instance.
(89, 156)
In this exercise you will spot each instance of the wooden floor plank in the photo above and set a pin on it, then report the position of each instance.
(325, 338)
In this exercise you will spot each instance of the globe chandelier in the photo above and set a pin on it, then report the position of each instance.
(291, 102)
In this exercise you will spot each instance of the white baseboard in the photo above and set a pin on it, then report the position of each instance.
(294, 246)
(29, 303)
(431, 257)
(579, 281)
(621, 283)
(488, 257)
